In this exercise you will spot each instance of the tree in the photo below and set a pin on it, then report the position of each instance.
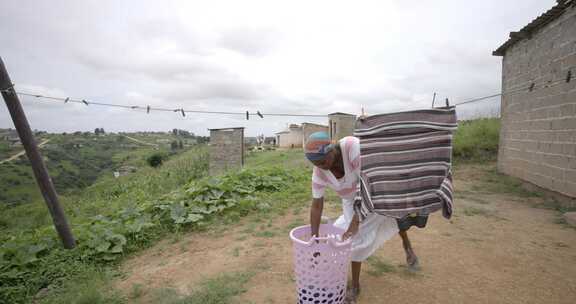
(181, 145)
(174, 145)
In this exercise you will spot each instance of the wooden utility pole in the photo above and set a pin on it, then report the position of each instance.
(40, 173)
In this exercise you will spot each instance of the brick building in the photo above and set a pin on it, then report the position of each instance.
(538, 135)
(226, 150)
(341, 125)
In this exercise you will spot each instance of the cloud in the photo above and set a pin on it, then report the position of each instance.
(249, 41)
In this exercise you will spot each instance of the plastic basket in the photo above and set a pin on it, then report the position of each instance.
(320, 264)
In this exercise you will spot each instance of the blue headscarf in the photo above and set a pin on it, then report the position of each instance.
(317, 146)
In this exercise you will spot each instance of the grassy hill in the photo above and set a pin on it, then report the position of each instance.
(77, 160)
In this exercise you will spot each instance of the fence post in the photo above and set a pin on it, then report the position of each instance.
(39, 168)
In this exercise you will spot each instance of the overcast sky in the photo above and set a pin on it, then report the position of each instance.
(313, 57)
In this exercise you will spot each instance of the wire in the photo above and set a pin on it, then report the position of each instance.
(531, 86)
(148, 108)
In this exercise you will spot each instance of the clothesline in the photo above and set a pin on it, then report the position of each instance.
(530, 88)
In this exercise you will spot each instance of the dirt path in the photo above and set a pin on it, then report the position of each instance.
(496, 249)
(140, 141)
(15, 156)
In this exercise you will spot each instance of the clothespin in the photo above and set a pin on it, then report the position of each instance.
(362, 115)
(67, 100)
(84, 101)
(148, 110)
(447, 102)
(134, 107)
(37, 96)
(531, 88)
(247, 115)
(259, 114)
(569, 76)
(182, 111)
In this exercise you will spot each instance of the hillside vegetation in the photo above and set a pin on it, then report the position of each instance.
(75, 161)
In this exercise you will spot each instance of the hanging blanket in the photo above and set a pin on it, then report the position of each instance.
(406, 161)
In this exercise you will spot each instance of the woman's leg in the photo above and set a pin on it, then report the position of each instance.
(356, 266)
(411, 258)
(354, 290)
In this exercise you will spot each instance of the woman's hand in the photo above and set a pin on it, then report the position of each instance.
(352, 228)
(316, 215)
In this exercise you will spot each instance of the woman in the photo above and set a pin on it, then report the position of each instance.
(337, 166)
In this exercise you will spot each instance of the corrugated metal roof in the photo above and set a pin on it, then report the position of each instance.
(539, 22)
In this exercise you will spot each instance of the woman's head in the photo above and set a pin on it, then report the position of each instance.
(319, 150)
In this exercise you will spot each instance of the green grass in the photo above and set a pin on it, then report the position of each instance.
(137, 291)
(286, 158)
(236, 251)
(472, 211)
(219, 290)
(265, 234)
(496, 182)
(477, 140)
(379, 267)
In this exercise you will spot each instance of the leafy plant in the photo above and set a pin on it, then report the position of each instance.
(155, 160)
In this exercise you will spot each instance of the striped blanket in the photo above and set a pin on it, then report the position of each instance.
(406, 161)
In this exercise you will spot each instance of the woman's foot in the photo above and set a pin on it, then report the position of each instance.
(412, 262)
(352, 295)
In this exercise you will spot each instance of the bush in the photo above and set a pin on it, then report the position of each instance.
(477, 140)
(155, 160)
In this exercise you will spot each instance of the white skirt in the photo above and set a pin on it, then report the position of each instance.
(374, 230)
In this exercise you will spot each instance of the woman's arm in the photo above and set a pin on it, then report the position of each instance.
(352, 228)
(316, 214)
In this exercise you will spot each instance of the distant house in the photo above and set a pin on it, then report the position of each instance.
(290, 138)
(538, 110)
(11, 136)
(13, 139)
(295, 136)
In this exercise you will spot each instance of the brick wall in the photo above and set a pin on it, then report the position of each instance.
(341, 125)
(226, 150)
(538, 136)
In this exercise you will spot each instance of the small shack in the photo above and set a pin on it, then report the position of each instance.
(290, 138)
(226, 150)
(341, 125)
